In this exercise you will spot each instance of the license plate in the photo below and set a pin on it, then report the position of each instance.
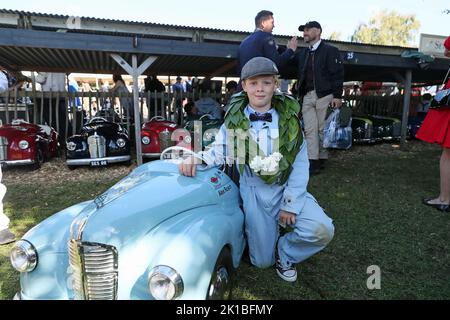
(99, 163)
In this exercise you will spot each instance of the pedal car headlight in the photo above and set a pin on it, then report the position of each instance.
(145, 140)
(120, 143)
(23, 144)
(71, 146)
(165, 283)
(187, 139)
(23, 256)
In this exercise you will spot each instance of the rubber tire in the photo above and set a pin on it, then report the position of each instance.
(224, 260)
(39, 160)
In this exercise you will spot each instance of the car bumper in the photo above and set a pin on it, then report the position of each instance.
(87, 161)
(364, 140)
(151, 155)
(16, 162)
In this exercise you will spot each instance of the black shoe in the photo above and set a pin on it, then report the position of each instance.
(314, 167)
(322, 163)
(6, 236)
(438, 206)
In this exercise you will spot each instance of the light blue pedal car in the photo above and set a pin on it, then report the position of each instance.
(153, 235)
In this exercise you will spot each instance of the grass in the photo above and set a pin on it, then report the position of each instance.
(372, 193)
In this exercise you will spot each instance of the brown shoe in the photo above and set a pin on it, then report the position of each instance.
(6, 236)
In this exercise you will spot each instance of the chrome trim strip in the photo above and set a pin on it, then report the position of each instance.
(17, 162)
(151, 155)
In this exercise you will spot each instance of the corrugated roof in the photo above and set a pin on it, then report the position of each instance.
(152, 24)
(49, 15)
(88, 50)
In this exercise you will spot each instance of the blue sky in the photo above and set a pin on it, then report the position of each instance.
(340, 16)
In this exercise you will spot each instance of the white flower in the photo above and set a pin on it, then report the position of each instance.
(256, 164)
(268, 165)
(277, 156)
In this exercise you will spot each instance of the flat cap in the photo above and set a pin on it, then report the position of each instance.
(309, 25)
(258, 66)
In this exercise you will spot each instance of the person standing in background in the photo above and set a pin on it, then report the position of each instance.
(320, 83)
(55, 82)
(436, 129)
(6, 236)
(262, 44)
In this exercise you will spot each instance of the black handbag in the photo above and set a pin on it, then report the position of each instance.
(442, 97)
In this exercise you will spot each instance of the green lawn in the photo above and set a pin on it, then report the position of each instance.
(373, 194)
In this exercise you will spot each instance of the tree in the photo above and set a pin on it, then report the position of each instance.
(388, 28)
(336, 36)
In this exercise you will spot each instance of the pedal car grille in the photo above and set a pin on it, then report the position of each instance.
(369, 131)
(95, 270)
(3, 148)
(97, 146)
(165, 140)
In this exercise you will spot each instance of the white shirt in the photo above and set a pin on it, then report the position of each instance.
(51, 81)
(315, 45)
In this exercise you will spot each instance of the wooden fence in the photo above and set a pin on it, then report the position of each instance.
(61, 111)
(67, 112)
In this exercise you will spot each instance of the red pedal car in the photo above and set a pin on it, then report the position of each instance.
(23, 143)
(156, 136)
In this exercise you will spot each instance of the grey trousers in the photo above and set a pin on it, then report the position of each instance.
(314, 111)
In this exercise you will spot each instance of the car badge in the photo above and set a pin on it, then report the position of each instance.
(100, 200)
(214, 180)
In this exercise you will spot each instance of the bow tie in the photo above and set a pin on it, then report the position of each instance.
(261, 117)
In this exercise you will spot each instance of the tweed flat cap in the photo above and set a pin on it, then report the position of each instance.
(258, 66)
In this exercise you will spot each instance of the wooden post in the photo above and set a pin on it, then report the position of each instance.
(135, 71)
(137, 116)
(406, 102)
(33, 90)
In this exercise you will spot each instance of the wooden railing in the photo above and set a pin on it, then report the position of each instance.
(60, 110)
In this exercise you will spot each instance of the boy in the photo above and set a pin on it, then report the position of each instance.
(269, 200)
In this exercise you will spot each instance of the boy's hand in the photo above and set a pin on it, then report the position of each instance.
(189, 166)
(286, 218)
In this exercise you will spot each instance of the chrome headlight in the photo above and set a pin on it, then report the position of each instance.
(23, 144)
(165, 283)
(23, 256)
(121, 142)
(145, 140)
(187, 139)
(71, 146)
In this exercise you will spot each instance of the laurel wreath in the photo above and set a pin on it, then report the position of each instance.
(290, 136)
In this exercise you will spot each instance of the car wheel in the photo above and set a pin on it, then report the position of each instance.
(220, 286)
(39, 159)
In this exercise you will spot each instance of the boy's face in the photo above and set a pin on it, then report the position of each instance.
(260, 90)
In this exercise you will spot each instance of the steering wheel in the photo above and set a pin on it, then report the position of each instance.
(207, 115)
(98, 119)
(185, 151)
(157, 118)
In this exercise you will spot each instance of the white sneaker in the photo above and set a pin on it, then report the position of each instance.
(286, 273)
